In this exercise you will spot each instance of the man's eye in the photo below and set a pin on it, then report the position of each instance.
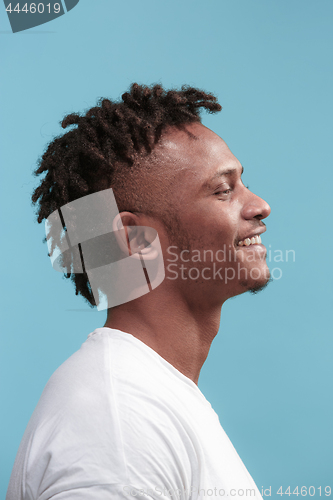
(225, 191)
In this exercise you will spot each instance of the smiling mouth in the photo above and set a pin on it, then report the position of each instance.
(255, 240)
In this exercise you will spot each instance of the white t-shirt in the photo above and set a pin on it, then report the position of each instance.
(117, 421)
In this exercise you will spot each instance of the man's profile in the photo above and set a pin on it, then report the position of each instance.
(123, 417)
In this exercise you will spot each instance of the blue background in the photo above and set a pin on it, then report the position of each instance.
(269, 374)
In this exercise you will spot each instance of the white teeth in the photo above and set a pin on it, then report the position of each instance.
(255, 240)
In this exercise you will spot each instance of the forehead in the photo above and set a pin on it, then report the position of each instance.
(196, 155)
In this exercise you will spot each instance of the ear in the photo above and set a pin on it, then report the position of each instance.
(121, 232)
(133, 239)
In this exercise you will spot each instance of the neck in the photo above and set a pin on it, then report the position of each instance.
(179, 331)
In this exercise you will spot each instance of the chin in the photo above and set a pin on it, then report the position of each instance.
(256, 286)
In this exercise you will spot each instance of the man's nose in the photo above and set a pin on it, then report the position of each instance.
(256, 208)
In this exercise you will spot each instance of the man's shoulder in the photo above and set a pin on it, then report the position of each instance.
(80, 374)
(114, 413)
(107, 408)
(111, 367)
(118, 385)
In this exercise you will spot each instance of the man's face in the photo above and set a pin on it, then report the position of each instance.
(215, 218)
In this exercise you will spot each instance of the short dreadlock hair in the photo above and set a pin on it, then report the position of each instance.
(109, 142)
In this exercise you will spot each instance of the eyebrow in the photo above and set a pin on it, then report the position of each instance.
(221, 173)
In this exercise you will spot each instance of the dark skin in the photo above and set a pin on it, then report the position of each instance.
(180, 318)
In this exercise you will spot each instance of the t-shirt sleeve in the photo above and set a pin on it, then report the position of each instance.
(143, 454)
(101, 492)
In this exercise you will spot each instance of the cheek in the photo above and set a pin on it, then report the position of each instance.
(213, 236)
(222, 230)
(210, 225)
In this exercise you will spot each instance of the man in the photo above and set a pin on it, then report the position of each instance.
(123, 416)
